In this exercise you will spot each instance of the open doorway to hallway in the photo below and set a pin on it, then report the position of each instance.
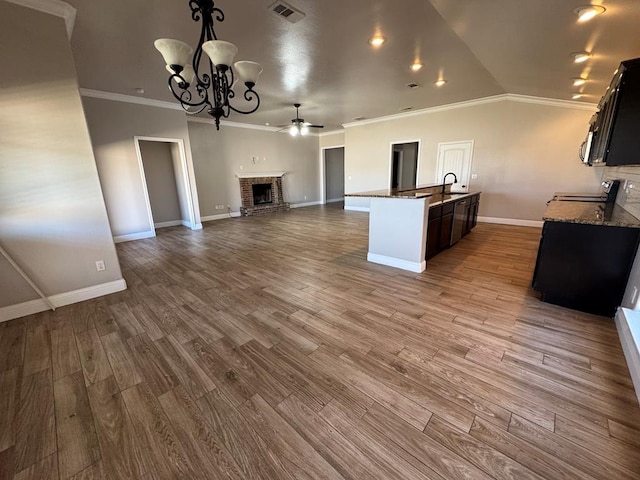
(333, 174)
(166, 183)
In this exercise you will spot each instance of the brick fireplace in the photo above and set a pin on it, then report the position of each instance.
(262, 194)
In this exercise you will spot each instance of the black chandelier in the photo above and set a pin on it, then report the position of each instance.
(214, 78)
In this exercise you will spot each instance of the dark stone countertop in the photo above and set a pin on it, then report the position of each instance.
(590, 213)
(421, 191)
(438, 199)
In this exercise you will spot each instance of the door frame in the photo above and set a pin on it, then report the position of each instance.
(418, 154)
(323, 172)
(191, 222)
(438, 162)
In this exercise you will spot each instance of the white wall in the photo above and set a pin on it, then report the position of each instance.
(523, 153)
(219, 155)
(113, 126)
(53, 220)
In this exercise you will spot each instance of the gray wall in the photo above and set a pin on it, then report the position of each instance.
(219, 155)
(52, 215)
(157, 160)
(113, 126)
(334, 173)
(523, 152)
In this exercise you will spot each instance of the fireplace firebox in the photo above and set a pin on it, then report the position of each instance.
(262, 193)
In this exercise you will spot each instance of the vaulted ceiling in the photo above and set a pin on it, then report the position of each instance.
(324, 61)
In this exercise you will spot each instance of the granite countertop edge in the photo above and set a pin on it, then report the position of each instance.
(413, 196)
(590, 213)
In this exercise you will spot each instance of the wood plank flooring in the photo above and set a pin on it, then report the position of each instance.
(269, 348)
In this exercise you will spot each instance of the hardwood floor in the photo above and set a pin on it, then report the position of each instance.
(269, 348)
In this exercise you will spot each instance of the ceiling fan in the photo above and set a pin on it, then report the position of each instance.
(298, 125)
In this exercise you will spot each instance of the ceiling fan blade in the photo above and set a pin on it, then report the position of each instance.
(315, 126)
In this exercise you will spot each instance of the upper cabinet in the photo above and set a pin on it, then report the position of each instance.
(613, 135)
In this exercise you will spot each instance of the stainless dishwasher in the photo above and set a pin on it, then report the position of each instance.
(459, 220)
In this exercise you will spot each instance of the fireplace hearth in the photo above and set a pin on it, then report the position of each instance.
(262, 194)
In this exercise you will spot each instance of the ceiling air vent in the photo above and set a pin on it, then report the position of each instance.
(412, 85)
(286, 11)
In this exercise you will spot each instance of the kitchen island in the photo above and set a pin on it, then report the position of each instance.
(399, 222)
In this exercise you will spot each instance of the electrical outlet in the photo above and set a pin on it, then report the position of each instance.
(100, 265)
(634, 297)
(474, 176)
(305, 197)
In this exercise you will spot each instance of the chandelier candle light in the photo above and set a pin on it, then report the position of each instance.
(214, 79)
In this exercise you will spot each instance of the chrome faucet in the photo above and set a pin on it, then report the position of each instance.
(444, 180)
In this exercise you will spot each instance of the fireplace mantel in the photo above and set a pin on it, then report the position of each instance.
(261, 175)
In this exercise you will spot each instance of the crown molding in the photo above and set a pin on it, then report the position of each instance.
(479, 101)
(57, 8)
(552, 102)
(227, 123)
(119, 97)
(332, 132)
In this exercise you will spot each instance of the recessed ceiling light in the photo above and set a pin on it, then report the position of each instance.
(576, 96)
(578, 81)
(580, 57)
(415, 66)
(377, 40)
(441, 82)
(587, 12)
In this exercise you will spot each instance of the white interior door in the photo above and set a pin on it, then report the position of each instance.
(455, 157)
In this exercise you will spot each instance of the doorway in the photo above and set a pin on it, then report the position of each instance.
(455, 157)
(333, 174)
(404, 165)
(165, 181)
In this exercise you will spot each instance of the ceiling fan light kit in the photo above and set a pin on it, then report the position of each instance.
(214, 76)
(298, 125)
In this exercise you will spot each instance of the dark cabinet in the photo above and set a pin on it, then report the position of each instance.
(584, 267)
(449, 222)
(614, 128)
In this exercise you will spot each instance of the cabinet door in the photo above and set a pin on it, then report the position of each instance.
(473, 216)
(623, 145)
(433, 237)
(466, 228)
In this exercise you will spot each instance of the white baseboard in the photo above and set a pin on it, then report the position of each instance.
(61, 299)
(512, 221)
(628, 325)
(306, 204)
(334, 200)
(356, 209)
(221, 216)
(134, 236)
(416, 267)
(171, 223)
